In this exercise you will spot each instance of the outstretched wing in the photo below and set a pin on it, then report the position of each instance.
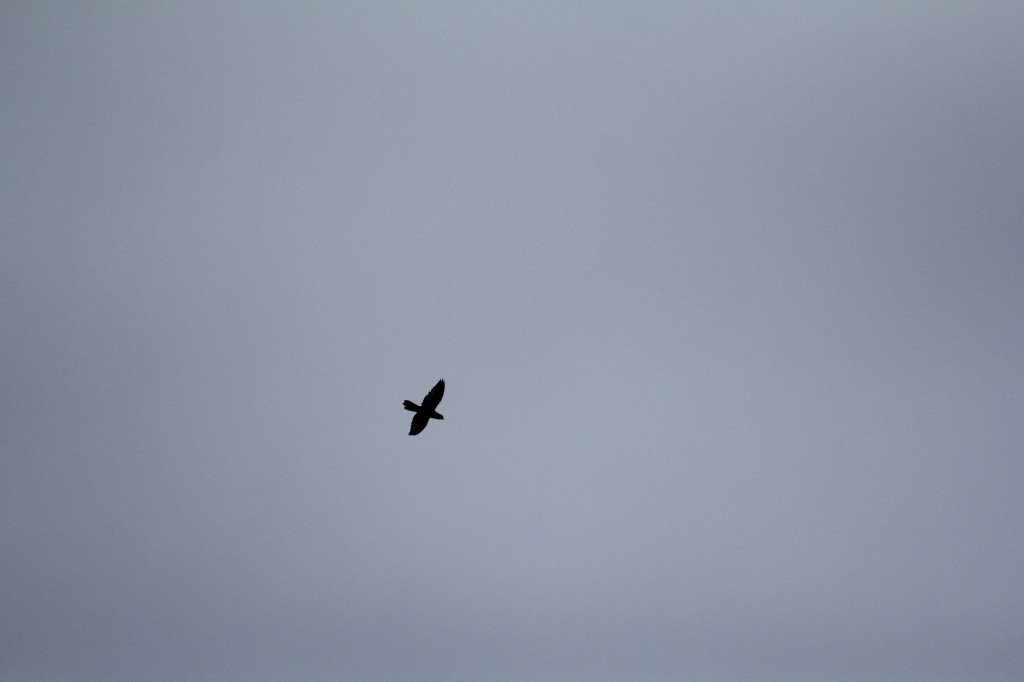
(431, 400)
(419, 422)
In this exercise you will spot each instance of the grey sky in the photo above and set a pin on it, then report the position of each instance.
(727, 298)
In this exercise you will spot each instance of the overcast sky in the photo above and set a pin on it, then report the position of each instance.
(728, 298)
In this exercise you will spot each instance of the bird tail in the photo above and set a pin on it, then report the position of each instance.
(411, 406)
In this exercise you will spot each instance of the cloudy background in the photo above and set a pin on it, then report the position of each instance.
(728, 299)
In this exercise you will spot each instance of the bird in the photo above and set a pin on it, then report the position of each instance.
(426, 411)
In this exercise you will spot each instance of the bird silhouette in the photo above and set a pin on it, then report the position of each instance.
(427, 410)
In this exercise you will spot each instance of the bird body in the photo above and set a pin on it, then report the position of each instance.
(426, 411)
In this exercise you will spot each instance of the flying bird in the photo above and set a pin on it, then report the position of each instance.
(428, 410)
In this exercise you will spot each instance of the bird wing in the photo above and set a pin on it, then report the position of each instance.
(431, 400)
(419, 422)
